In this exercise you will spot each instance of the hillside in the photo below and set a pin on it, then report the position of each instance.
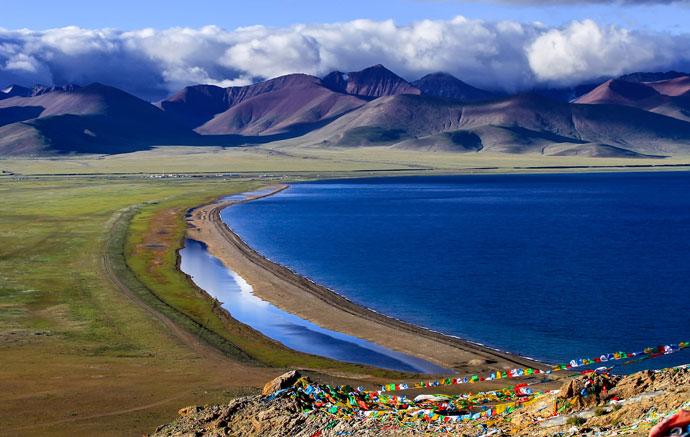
(447, 85)
(620, 92)
(372, 82)
(197, 105)
(672, 87)
(291, 104)
(525, 123)
(36, 90)
(287, 103)
(670, 97)
(93, 119)
(298, 105)
(372, 107)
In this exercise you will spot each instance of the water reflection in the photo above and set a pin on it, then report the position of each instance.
(237, 297)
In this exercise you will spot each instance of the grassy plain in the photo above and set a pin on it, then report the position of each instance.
(289, 159)
(79, 357)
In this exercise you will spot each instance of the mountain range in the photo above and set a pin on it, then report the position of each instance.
(643, 114)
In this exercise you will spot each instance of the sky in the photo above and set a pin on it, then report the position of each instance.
(231, 14)
(152, 48)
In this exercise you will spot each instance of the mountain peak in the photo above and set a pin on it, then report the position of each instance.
(618, 91)
(15, 90)
(375, 81)
(36, 90)
(336, 81)
(94, 119)
(440, 74)
(375, 69)
(289, 80)
(195, 105)
(442, 84)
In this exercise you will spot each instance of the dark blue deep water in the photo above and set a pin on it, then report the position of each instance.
(554, 267)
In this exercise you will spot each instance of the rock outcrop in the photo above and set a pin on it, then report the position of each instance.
(282, 382)
(585, 405)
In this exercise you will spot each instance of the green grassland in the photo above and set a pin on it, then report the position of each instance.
(72, 345)
(288, 159)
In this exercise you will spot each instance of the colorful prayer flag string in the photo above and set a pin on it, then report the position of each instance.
(647, 353)
(343, 402)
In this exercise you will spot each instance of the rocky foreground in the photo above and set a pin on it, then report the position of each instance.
(589, 404)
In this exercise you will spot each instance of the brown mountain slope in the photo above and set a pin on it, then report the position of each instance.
(37, 90)
(526, 123)
(618, 118)
(298, 106)
(372, 82)
(447, 85)
(620, 92)
(93, 119)
(677, 107)
(88, 100)
(664, 97)
(672, 87)
(196, 105)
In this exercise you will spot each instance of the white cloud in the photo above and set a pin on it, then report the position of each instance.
(22, 62)
(581, 48)
(509, 55)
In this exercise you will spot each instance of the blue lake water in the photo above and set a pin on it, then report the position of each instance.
(236, 296)
(554, 267)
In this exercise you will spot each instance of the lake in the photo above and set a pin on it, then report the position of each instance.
(553, 267)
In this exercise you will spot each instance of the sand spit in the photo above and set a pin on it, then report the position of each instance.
(298, 295)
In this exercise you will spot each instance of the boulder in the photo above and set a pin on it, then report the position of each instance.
(283, 381)
(188, 410)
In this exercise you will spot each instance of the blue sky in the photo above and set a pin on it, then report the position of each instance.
(162, 14)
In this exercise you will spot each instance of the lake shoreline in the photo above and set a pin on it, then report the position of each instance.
(299, 295)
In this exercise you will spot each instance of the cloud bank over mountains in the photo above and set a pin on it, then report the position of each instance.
(514, 56)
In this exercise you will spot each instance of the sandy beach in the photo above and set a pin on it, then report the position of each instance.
(300, 296)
